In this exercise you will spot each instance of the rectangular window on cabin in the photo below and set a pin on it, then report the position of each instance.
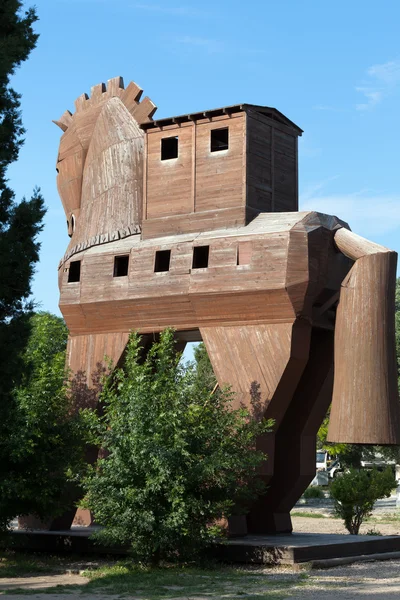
(163, 258)
(74, 273)
(219, 139)
(121, 264)
(169, 148)
(200, 257)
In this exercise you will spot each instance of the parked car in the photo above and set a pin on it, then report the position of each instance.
(376, 460)
(327, 464)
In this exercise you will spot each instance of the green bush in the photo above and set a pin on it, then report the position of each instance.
(44, 447)
(356, 492)
(313, 492)
(177, 460)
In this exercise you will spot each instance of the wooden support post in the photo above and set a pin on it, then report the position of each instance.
(365, 404)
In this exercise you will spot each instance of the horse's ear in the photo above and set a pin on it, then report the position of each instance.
(365, 405)
(64, 121)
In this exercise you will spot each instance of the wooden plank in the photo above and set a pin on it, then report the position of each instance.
(169, 187)
(273, 174)
(144, 111)
(96, 93)
(86, 353)
(196, 222)
(115, 86)
(365, 405)
(285, 129)
(193, 174)
(82, 103)
(219, 175)
(131, 96)
(168, 125)
(64, 121)
(145, 161)
(244, 253)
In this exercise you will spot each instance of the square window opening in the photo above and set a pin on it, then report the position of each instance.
(169, 148)
(163, 258)
(121, 264)
(74, 273)
(219, 139)
(200, 257)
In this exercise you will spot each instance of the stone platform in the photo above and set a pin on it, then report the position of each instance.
(289, 549)
(280, 549)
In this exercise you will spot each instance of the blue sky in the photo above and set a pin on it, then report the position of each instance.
(333, 68)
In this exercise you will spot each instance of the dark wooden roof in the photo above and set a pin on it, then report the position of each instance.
(268, 111)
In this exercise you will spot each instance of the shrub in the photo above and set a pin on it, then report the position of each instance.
(177, 457)
(356, 492)
(374, 532)
(313, 492)
(45, 442)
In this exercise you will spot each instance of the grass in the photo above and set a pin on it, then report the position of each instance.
(384, 519)
(21, 564)
(309, 515)
(154, 584)
(126, 578)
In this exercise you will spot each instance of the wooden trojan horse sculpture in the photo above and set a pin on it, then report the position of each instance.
(192, 222)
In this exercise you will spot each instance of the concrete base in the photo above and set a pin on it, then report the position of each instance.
(75, 540)
(282, 549)
(279, 549)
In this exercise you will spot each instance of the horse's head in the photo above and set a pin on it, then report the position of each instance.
(100, 160)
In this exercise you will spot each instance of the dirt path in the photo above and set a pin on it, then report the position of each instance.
(363, 581)
(385, 518)
(36, 582)
(330, 525)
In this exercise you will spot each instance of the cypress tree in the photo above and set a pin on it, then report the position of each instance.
(20, 222)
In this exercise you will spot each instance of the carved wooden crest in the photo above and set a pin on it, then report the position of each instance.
(100, 162)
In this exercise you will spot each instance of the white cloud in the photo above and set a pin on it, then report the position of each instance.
(177, 11)
(210, 46)
(328, 107)
(311, 190)
(373, 98)
(308, 148)
(389, 72)
(367, 214)
(382, 79)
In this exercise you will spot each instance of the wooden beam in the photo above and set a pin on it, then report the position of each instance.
(365, 404)
(319, 310)
(354, 246)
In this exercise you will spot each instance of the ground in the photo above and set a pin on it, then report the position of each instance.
(316, 516)
(377, 580)
(54, 579)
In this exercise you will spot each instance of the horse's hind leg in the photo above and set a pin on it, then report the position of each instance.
(295, 440)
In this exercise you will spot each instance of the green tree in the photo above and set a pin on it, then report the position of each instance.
(20, 222)
(356, 492)
(204, 374)
(45, 443)
(178, 458)
(397, 323)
